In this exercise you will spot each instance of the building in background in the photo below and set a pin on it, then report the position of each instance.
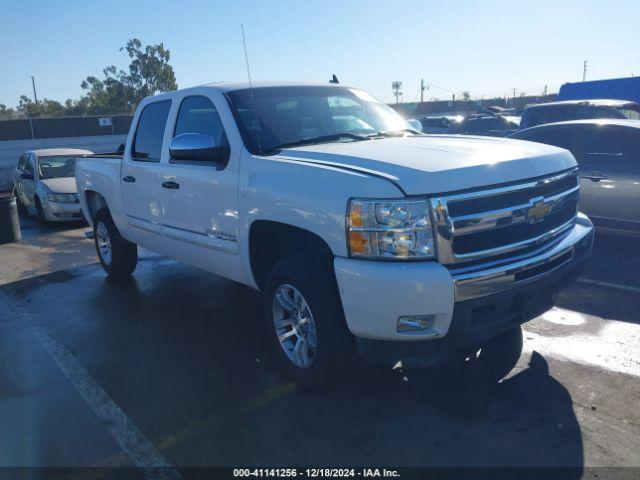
(613, 88)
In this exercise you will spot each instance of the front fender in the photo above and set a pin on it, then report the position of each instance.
(308, 196)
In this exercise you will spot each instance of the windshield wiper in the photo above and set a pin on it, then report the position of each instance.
(395, 133)
(320, 139)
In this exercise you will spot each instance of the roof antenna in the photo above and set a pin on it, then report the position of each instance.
(334, 79)
(253, 102)
(246, 57)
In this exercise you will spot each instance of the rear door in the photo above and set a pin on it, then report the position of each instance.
(610, 175)
(201, 197)
(142, 176)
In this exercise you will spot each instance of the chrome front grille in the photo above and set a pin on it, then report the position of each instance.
(489, 224)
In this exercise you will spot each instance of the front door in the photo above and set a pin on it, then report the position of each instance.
(200, 197)
(142, 176)
(26, 185)
(610, 176)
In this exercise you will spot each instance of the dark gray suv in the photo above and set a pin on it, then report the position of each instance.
(577, 110)
(608, 155)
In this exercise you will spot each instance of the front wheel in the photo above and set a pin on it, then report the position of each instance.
(40, 212)
(306, 323)
(117, 255)
(22, 210)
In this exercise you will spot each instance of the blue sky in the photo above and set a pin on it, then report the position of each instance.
(485, 47)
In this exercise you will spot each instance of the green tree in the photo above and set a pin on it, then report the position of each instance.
(119, 92)
(6, 113)
(44, 108)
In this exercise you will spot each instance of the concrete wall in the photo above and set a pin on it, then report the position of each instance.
(11, 150)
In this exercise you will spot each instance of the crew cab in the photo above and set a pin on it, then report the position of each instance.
(365, 237)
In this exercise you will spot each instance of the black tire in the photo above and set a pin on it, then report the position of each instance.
(40, 212)
(22, 210)
(123, 254)
(335, 357)
(493, 359)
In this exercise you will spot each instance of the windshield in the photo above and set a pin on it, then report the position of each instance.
(56, 167)
(289, 115)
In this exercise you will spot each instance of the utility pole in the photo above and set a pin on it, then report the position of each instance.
(584, 70)
(514, 94)
(545, 91)
(422, 90)
(33, 83)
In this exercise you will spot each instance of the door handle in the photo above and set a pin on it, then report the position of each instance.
(171, 185)
(129, 179)
(595, 176)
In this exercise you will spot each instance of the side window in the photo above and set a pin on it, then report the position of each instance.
(597, 112)
(147, 144)
(28, 166)
(542, 115)
(558, 137)
(22, 162)
(197, 114)
(609, 147)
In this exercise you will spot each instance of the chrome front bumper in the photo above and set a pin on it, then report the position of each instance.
(495, 277)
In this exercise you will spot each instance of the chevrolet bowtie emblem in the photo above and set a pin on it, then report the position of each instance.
(538, 211)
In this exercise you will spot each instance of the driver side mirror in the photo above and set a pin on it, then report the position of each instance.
(26, 176)
(198, 147)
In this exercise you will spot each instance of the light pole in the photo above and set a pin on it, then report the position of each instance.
(585, 64)
(397, 89)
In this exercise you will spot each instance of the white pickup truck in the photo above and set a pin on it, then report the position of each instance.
(364, 236)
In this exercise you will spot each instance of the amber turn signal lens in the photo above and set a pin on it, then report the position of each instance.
(358, 243)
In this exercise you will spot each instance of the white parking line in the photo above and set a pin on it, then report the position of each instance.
(135, 445)
(602, 283)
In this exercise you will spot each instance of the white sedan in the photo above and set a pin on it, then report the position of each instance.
(45, 183)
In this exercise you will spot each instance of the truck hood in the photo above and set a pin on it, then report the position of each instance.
(61, 185)
(440, 163)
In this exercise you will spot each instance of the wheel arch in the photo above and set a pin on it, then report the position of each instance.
(270, 241)
(95, 202)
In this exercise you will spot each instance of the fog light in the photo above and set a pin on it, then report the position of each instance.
(415, 323)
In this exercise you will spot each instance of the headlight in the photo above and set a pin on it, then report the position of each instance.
(61, 197)
(395, 229)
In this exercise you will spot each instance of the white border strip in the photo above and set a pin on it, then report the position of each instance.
(135, 445)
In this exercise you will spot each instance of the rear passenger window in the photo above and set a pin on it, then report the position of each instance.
(609, 147)
(147, 145)
(558, 137)
(198, 115)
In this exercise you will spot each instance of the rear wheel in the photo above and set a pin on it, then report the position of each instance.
(117, 255)
(306, 323)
